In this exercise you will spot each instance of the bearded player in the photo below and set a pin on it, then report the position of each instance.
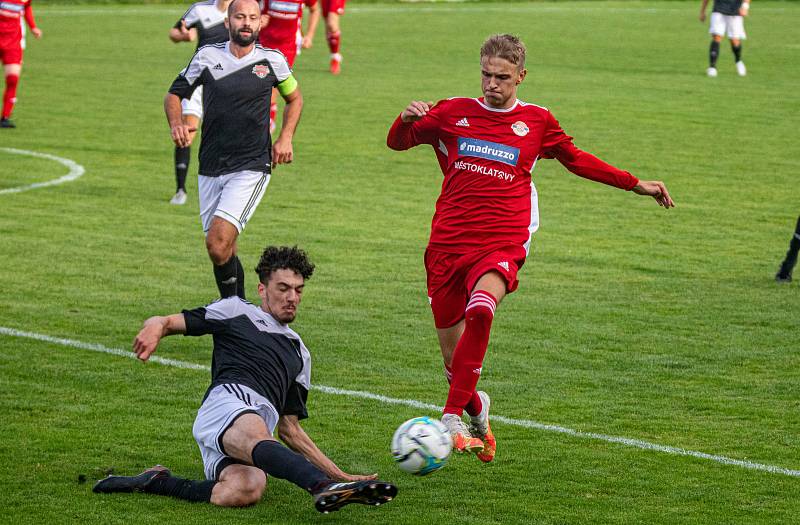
(486, 215)
(12, 44)
(280, 29)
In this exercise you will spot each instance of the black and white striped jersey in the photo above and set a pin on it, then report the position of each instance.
(236, 98)
(253, 349)
(208, 21)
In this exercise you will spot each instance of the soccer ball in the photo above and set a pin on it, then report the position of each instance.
(421, 445)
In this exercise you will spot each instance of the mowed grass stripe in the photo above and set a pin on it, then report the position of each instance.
(636, 443)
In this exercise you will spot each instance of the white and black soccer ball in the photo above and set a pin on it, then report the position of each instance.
(421, 445)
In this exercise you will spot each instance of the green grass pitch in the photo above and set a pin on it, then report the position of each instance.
(630, 321)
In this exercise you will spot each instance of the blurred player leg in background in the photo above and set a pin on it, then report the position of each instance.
(192, 115)
(12, 44)
(784, 274)
(332, 10)
(727, 19)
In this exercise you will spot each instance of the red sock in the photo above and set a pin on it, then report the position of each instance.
(273, 111)
(10, 95)
(334, 39)
(475, 405)
(469, 352)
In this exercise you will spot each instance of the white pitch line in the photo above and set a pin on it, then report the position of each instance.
(525, 423)
(75, 170)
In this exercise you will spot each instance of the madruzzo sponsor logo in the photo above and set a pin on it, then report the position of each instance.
(483, 170)
(488, 150)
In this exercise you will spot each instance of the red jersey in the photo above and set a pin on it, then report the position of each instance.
(284, 19)
(11, 14)
(487, 156)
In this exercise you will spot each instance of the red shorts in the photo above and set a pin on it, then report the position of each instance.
(333, 6)
(11, 54)
(452, 276)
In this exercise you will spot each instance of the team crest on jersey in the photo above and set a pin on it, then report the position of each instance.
(260, 70)
(520, 128)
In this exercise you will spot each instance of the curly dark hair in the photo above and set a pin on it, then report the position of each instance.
(283, 257)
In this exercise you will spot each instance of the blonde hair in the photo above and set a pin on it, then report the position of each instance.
(507, 47)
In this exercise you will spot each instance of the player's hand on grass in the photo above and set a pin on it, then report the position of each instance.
(182, 135)
(37, 32)
(282, 152)
(148, 337)
(655, 189)
(345, 477)
(415, 111)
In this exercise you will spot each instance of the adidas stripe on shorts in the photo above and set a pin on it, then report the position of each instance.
(233, 197)
(217, 413)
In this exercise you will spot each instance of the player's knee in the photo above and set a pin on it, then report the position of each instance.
(251, 487)
(219, 250)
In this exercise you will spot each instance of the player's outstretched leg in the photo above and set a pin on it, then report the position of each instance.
(137, 483)
(713, 54)
(784, 274)
(480, 428)
(160, 481)
(336, 495)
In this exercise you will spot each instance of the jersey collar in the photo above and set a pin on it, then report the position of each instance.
(485, 106)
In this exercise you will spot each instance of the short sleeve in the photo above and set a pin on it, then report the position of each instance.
(279, 65)
(191, 18)
(199, 323)
(188, 79)
(213, 318)
(296, 399)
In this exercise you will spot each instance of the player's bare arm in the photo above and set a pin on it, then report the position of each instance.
(181, 132)
(745, 9)
(282, 150)
(655, 189)
(154, 329)
(182, 33)
(313, 21)
(703, 6)
(293, 435)
(415, 111)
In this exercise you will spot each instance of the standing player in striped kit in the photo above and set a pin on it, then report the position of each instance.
(205, 23)
(280, 29)
(236, 153)
(12, 44)
(486, 215)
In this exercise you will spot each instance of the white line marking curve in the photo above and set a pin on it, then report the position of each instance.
(75, 170)
(635, 443)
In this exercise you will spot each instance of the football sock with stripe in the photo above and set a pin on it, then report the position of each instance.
(713, 53)
(475, 405)
(185, 489)
(227, 277)
(182, 157)
(737, 52)
(470, 351)
(334, 41)
(280, 462)
(10, 95)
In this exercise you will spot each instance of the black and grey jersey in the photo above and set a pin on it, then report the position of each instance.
(727, 7)
(236, 98)
(253, 349)
(208, 21)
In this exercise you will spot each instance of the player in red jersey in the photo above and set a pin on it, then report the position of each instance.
(281, 30)
(12, 43)
(486, 215)
(332, 10)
